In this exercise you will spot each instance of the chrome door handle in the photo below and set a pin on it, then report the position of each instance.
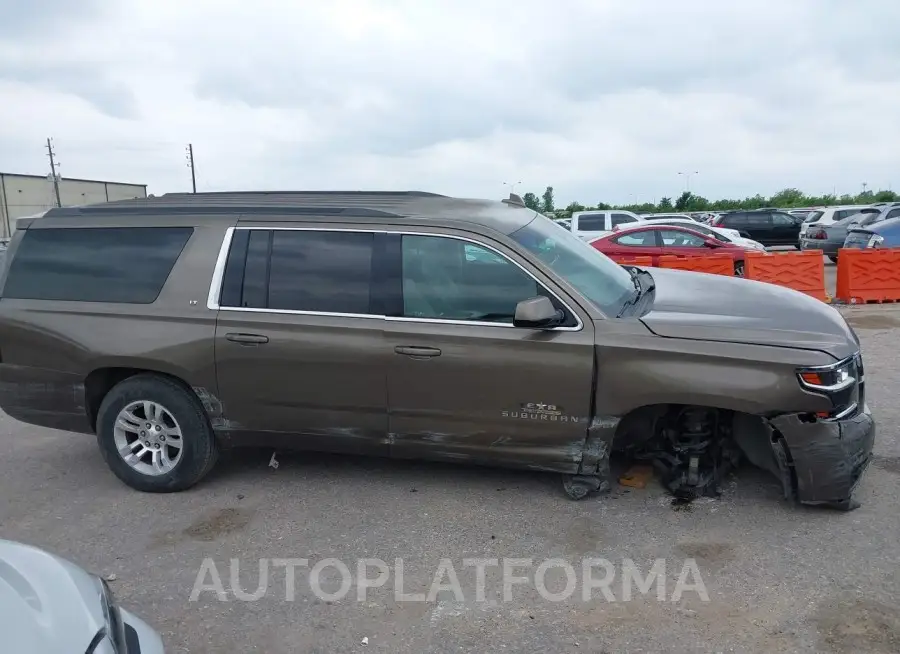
(247, 339)
(417, 352)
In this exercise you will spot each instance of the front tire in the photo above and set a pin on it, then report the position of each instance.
(154, 435)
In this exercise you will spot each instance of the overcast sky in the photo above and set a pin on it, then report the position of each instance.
(605, 100)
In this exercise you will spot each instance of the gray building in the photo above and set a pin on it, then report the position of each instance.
(22, 196)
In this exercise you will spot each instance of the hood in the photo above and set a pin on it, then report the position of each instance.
(49, 605)
(733, 310)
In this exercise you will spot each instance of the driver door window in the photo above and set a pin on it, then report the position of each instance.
(781, 220)
(449, 279)
(673, 238)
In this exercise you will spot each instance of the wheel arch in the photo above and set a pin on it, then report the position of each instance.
(100, 381)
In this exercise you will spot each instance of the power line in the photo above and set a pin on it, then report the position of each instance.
(53, 174)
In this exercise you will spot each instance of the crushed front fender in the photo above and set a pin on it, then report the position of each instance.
(828, 458)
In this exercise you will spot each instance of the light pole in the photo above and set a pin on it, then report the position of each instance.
(687, 179)
(512, 186)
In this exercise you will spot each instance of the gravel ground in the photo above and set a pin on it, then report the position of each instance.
(779, 578)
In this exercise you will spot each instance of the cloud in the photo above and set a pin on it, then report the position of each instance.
(606, 101)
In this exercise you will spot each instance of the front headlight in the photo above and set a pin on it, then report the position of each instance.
(875, 241)
(838, 382)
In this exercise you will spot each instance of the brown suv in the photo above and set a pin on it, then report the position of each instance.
(414, 325)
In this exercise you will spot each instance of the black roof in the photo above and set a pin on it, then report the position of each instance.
(369, 206)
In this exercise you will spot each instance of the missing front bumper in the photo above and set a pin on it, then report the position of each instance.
(823, 461)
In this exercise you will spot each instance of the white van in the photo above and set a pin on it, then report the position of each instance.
(589, 225)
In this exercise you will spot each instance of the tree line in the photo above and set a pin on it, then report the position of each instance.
(788, 198)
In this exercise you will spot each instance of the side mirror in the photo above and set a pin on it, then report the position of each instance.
(537, 313)
(744, 235)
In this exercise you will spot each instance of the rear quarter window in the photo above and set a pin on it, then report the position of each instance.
(126, 265)
(592, 223)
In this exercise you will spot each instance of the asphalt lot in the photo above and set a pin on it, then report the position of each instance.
(779, 578)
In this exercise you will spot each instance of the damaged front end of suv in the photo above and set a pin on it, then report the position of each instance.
(742, 370)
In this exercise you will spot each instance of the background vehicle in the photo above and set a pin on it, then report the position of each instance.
(658, 240)
(884, 234)
(764, 226)
(590, 224)
(829, 215)
(804, 212)
(51, 605)
(830, 238)
(665, 216)
(719, 233)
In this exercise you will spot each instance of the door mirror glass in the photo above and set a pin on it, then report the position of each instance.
(537, 313)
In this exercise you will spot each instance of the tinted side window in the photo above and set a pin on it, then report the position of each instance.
(638, 238)
(320, 271)
(678, 239)
(735, 220)
(256, 273)
(109, 264)
(893, 213)
(621, 219)
(449, 279)
(759, 220)
(595, 222)
(782, 220)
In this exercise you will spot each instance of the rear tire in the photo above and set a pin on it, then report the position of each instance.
(833, 258)
(738, 268)
(187, 464)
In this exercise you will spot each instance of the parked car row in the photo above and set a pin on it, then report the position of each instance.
(854, 230)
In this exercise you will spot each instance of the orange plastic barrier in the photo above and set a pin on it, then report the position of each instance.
(716, 264)
(801, 271)
(632, 261)
(868, 275)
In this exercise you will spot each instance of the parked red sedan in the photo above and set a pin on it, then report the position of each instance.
(657, 240)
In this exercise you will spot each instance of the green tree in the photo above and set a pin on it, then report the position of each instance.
(786, 198)
(681, 204)
(531, 201)
(789, 197)
(547, 204)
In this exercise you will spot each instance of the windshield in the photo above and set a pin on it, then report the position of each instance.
(594, 275)
(812, 216)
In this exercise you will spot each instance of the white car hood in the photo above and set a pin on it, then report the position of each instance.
(47, 604)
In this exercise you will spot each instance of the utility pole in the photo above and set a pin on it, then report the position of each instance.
(864, 185)
(53, 174)
(190, 164)
(687, 180)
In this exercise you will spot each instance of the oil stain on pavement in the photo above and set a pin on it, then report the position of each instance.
(852, 625)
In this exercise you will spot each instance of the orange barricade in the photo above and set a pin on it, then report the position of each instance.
(716, 264)
(801, 271)
(632, 261)
(868, 275)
